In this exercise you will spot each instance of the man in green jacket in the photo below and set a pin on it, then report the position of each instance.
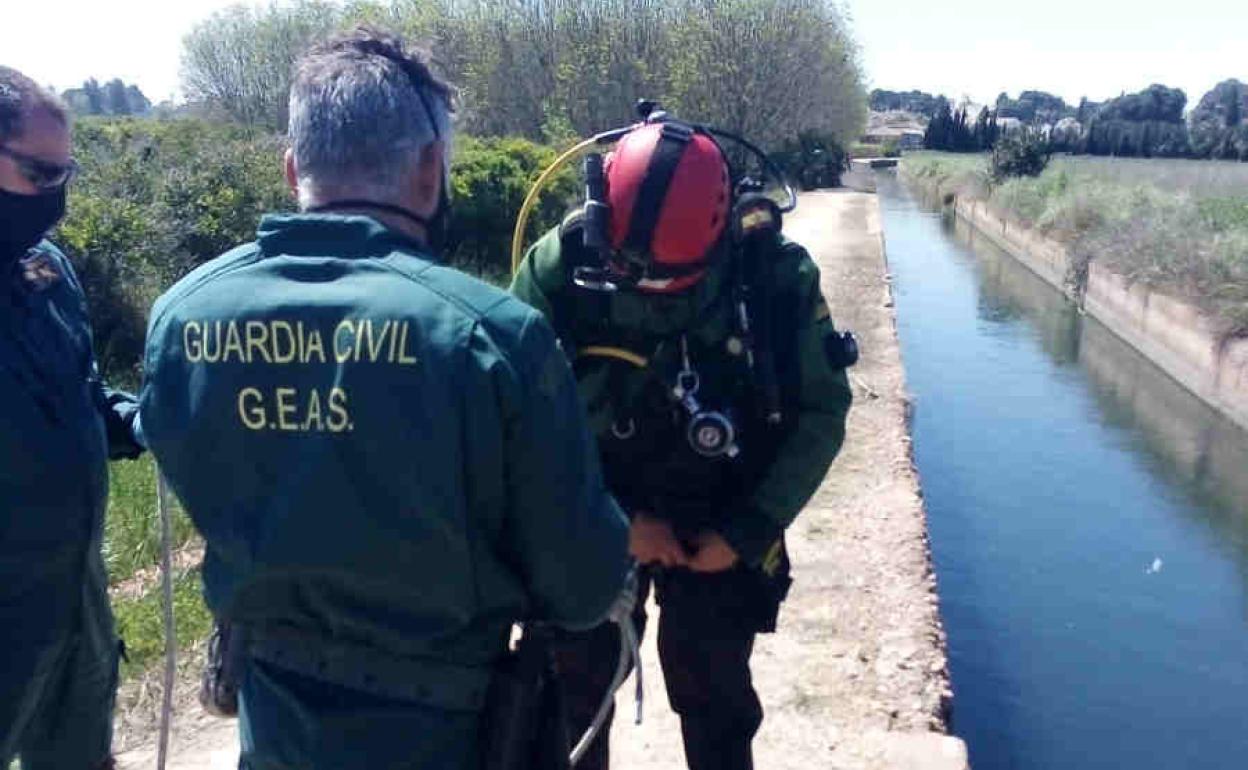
(59, 425)
(386, 457)
(716, 388)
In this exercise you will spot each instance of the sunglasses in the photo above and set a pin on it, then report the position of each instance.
(41, 173)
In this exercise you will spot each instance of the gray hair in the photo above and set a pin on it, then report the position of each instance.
(19, 97)
(362, 109)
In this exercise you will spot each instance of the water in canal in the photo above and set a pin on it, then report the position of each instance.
(1088, 517)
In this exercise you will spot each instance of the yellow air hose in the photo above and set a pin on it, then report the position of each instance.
(535, 192)
(605, 351)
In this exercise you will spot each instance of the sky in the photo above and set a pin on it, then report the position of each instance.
(975, 48)
(63, 42)
(1072, 48)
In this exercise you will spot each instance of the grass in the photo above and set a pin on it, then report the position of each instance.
(131, 550)
(139, 622)
(1179, 226)
(132, 527)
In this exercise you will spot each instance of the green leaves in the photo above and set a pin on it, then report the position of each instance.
(155, 199)
(490, 179)
(158, 198)
(1019, 153)
(545, 69)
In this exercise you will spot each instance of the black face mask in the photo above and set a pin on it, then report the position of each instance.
(439, 225)
(25, 219)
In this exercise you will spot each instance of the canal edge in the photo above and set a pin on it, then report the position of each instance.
(1170, 332)
(952, 751)
(863, 540)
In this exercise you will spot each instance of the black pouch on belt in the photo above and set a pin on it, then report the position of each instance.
(523, 727)
(218, 684)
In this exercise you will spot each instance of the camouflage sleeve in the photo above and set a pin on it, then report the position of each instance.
(540, 278)
(813, 442)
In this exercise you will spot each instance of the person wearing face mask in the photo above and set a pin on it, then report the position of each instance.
(387, 458)
(59, 426)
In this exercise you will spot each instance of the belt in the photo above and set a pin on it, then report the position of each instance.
(431, 682)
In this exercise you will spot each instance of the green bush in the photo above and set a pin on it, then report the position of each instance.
(812, 161)
(140, 621)
(891, 148)
(1019, 154)
(156, 198)
(490, 179)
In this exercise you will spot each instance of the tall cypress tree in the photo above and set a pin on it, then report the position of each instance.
(983, 138)
(1233, 110)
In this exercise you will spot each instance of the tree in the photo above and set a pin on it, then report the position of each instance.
(917, 102)
(1033, 107)
(952, 131)
(1157, 102)
(1231, 104)
(939, 134)
(771, 69)
(115, 95)
(753, 65)
(114, 98)
(1215, 122)
(1021, 153)
(1081, 114)
(1145, 124)
(95, 97)
(239, 60)
(983, 130)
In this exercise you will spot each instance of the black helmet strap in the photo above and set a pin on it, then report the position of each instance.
(673, 141)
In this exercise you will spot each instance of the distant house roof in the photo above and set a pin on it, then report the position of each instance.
(904, 127)
(891, 132)
(897, 120)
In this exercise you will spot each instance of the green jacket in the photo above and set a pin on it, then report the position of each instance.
(59, 425)
(749, 499)
(386, 457)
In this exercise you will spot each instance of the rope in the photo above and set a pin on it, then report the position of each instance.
(171, 649)
(630, 652)
(530, 200)
(535, 192)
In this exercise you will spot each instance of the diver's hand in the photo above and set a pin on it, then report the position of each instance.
(651, 541)
(713, 554)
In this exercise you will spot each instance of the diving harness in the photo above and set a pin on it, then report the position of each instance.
(752, 238)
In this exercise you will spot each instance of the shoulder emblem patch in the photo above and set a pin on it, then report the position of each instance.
(40, 272)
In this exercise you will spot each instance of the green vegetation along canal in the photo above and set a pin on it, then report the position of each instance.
(1088, 518)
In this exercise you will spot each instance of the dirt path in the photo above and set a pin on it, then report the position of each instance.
(856, 677)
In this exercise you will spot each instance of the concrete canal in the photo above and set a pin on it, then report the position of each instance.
(1088, 518)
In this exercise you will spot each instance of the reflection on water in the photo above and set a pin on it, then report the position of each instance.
(1089, 519)
(1191, 443)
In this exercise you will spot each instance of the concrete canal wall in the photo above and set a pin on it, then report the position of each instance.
(1172, 333)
